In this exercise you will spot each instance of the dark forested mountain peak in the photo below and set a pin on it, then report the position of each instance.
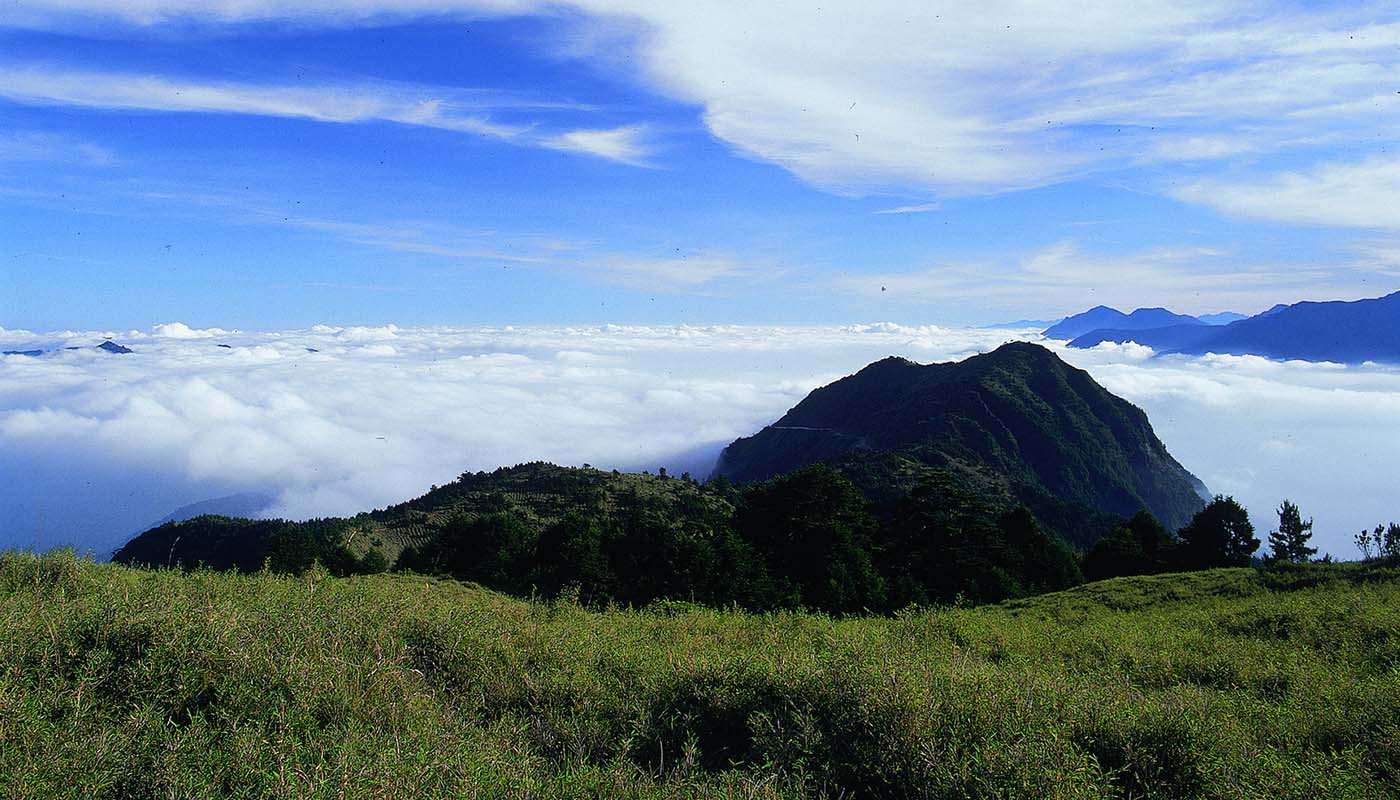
(1018, 414)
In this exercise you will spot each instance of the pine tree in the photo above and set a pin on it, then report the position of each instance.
(1290, 541)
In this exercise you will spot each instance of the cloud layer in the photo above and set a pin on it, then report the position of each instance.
(336, 420)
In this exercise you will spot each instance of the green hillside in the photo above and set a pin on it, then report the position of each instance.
(117, 682)
(538, 494)
(809, 540)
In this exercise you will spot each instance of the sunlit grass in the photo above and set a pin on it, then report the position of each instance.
(1230, 683)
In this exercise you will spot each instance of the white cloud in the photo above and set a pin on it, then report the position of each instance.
(627, 144)
(678, 274)
(1064, 278)
(431, 107)
(96, 446)
(362, 333)
(672, 270)
(954, 98)
(179, 330)
(942, 97)
(1125, 351)
(42, 146)
(1363, 195)
(919, 208)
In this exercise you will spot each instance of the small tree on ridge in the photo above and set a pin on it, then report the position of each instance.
(1290, 541)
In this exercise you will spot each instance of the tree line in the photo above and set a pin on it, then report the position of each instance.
(810, 539)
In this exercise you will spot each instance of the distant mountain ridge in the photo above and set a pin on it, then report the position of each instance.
(107, 346)
(1018, 413)
(244, 504)
(1103, 317)
(1346, 332)
(1221, 318)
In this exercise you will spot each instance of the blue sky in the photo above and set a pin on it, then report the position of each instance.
(431, 162)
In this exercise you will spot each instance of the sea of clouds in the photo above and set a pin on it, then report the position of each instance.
(94, 447)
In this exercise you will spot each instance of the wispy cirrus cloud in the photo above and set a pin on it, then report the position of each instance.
(44, 146)
(674, 272)
(955, 99)
(1362, 194)
(940, 97)
(338, 103)
(1065, 278)
(671, 274)
(629, 144)
(917, 208)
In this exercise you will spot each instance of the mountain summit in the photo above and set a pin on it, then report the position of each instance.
(1018, 414)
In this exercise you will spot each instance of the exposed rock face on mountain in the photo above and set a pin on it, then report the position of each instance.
(1344, 332)
(1018, 415)
(1105, 318)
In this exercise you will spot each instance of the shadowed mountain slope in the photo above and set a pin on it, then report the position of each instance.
(1018, 415)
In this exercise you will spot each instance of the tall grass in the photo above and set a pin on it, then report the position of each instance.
(1235, 684)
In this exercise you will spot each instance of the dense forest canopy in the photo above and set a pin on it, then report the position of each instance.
(809, 539)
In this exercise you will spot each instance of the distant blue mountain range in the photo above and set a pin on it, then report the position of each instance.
(246, 505)
(1339, 331)
(1222, 318)
(1105, 318)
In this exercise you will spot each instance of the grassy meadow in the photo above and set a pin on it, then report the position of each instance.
(1235, 683)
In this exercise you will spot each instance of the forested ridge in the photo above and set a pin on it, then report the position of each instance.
(809, 539)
